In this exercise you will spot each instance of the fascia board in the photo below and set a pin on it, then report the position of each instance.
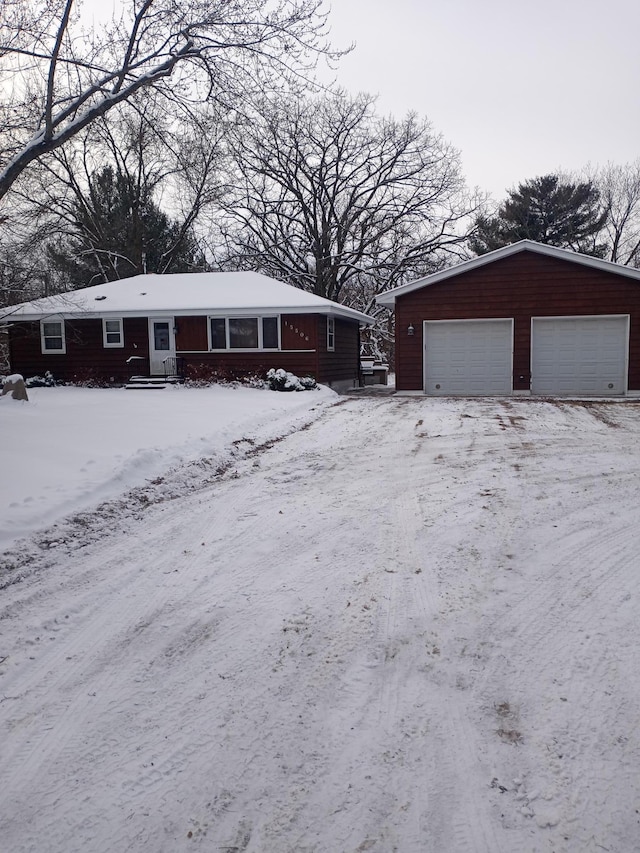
(337, 311)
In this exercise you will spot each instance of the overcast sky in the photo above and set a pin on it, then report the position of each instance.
(520, 88)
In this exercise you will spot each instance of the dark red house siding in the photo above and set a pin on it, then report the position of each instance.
(86, 357)
(303, 342)
(249, 363)
(303, 339)
(298, 337)
(521, 286)
(299, 331)
(191, 334)
(343, 363)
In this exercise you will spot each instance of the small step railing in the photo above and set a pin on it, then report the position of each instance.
(173, 367)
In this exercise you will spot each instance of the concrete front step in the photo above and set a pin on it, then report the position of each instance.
(146, 382)
(145, 386)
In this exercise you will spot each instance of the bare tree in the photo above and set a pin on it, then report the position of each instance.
(619, 188)
(124, 196)
(22, 275)
(338, 201)
(57, 77)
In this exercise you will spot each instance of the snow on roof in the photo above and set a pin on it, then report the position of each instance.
(184, 293)
(388, 299)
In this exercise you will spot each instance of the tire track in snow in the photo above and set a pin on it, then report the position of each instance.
(85, 656)
(553, 643)
(459, 809)
(255, 751)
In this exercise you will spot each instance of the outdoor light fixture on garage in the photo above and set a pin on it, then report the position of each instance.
(410, 329)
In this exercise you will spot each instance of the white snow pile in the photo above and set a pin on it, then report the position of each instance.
(68, 449)
(13, 377)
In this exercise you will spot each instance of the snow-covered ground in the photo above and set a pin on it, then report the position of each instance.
(405, 625)
(69, 448)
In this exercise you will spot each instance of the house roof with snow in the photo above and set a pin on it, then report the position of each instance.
(388, 299)
(211, 293)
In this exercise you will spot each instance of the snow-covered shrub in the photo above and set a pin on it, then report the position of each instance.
(203, 375)
(282, 380)
(308, 383)
(89, 377)
(46, 381)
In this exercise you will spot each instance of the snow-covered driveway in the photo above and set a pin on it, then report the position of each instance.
(410, 626)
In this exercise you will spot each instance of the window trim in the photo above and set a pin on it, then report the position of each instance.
(259, 317)
(105, 343)
(331, 334)
(62, 336)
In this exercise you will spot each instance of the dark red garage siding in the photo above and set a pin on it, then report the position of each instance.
(521, 286)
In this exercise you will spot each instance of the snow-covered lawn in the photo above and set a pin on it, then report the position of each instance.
(69, 448)
(371, 624)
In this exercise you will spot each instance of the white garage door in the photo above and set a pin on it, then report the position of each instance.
(470, 357)
(579, 355)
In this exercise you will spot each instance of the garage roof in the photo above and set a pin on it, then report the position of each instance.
(388, 299)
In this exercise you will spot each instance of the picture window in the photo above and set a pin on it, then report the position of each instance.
(260, 333)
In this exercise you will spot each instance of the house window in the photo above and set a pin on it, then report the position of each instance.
(112, 333)
(244, 333)
(52, 336)
(331, 334)
(218, 333)
(270, 333)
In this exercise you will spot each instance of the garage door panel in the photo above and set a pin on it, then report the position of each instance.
(468, 357)
(579, 355)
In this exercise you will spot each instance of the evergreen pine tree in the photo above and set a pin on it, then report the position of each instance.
(546, 210)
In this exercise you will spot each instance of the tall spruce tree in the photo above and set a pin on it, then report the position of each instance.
(116, 230)
(547, 210)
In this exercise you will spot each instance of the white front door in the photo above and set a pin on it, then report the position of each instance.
(468, 357)
(162, 344)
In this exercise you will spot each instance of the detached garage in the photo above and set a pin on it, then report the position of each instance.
(525, 319)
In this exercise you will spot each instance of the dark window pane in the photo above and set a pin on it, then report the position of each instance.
(243, 333)
(113, 332)
(161, 336)
(270, 333)
(53, 335)
(218, 336)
